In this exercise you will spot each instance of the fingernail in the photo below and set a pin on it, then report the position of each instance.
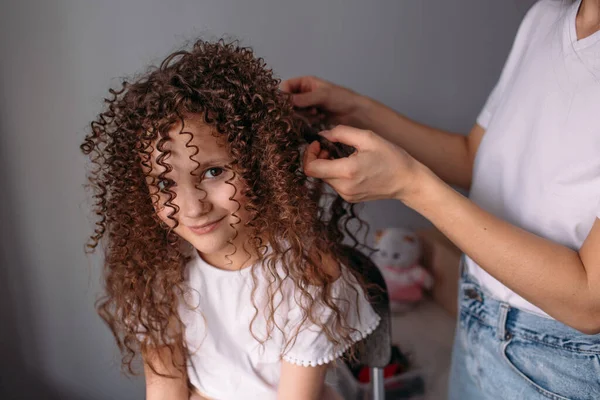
(324, 133)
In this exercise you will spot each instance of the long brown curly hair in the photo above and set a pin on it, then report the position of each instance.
(144, 263)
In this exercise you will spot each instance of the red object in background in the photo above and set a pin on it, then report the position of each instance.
(399, 364)
(364, 376)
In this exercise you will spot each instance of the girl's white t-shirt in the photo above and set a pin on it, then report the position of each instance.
(227, 361)
(538, 164)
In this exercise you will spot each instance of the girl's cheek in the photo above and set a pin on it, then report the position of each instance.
(222, 192)
(163, 211)
(230, 198)
(163, 214)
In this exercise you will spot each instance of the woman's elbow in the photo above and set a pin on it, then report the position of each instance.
(587, 322)
(589, 329)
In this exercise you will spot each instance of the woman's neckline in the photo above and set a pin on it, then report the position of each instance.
(572, 21)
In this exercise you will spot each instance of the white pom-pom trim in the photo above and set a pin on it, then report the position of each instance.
(356, 337)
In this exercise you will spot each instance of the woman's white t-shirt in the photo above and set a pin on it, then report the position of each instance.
(538, 165)
(227, 361)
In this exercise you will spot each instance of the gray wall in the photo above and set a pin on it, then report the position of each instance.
(434, 60)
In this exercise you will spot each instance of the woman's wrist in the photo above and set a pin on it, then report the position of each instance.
(379, 118)
(362, 115)
(423, 189)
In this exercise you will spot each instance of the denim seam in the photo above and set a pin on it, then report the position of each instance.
(477, 318)
(534, 339)
(530, 337)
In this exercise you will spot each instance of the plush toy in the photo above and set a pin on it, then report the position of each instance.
(399, 251)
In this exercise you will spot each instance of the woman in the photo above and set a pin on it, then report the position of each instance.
(529, 319)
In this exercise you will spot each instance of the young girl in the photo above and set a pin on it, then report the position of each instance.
(222, 267)
(529, 325)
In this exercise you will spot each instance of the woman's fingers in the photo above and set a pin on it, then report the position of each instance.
(311, 153)
(357, 138)
(323, 155)
(328, 169)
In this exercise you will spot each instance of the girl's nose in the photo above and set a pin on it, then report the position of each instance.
(194, 204)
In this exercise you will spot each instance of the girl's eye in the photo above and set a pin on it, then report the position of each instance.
(213, 172)
(162, 185)
(396, 256)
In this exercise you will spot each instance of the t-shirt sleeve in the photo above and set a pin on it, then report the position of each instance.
(312, 346)
(519, 46)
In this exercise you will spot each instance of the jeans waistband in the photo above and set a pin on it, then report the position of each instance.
(508, 321)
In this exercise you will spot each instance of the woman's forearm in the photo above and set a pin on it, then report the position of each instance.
(550, 276)
(446, 154)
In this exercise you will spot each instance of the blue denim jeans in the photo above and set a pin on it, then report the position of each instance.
(506, 353)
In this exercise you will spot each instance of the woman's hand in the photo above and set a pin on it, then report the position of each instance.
(377, 169)
(325, 101)
(448, 155)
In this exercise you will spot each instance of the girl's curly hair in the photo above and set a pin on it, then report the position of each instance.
(144, 262)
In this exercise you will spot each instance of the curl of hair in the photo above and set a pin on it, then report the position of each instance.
(143, 259)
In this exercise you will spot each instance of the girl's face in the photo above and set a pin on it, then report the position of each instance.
(210, 205)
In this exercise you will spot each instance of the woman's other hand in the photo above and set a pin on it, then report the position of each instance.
(323, 101)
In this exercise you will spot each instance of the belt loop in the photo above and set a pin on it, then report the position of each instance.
(501, 329)
(462, 267)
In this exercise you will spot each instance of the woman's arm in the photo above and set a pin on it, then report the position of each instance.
(447, 154)
(562, 282)
(301, 383)
(173, 386)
